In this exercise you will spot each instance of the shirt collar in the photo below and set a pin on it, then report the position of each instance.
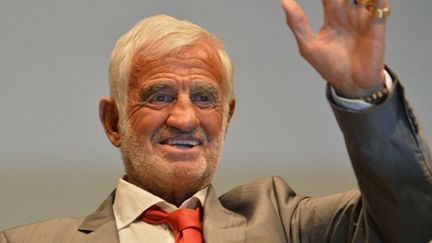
(130, 201)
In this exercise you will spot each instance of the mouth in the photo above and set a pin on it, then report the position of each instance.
(181, 143)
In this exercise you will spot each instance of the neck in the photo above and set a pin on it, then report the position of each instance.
(175, 194)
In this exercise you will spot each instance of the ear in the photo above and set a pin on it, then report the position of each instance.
(109, 117)
(231, 107)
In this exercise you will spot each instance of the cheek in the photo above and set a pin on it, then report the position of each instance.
(146, 123)
(213, 123)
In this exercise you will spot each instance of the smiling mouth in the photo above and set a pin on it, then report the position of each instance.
(181, 143)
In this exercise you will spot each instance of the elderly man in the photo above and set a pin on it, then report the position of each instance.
(170, 105)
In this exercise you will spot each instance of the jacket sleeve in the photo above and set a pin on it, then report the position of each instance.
(392, 163)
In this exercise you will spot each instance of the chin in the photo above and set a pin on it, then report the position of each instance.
(190, 172)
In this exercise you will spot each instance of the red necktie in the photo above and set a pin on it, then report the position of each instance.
(184, 223)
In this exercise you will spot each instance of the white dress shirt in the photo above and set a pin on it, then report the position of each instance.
(131, 201)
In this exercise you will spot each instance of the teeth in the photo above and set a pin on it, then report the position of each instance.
(178, 142)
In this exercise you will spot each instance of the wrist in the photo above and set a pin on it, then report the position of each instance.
(362, 92)
(359, 104)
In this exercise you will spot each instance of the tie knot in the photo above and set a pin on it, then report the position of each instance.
(182, 219)
(184, 223)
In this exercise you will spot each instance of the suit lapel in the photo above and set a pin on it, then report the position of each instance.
(100, 226)
(221, 224)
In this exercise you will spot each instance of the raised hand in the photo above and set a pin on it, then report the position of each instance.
(348, 51)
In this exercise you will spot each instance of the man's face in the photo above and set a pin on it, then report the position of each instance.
(175, 121)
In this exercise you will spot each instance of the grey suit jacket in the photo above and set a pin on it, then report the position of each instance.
(392, 163)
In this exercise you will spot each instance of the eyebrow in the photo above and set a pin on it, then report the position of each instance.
(206, 87)
(147, 91)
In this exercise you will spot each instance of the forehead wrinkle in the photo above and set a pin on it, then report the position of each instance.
(190, 66)
(187, 75)
(205, 53)
(184, 66)
(176, 72)
(200, 56)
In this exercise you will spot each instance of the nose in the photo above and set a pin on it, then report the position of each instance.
(183, 115)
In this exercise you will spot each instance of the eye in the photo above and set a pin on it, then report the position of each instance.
(161, 98)
(203, 99)
(156, 95)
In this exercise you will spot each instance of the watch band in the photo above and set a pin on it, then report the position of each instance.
(376, 97)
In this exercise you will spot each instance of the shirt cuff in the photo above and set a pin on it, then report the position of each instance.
(358, 104)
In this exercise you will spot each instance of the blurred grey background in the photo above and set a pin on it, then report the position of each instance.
(55, 159)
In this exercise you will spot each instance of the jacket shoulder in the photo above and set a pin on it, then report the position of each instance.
(268, 192)
(266, 184)
(44, 231)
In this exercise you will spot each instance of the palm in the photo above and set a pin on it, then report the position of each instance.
(348, 51)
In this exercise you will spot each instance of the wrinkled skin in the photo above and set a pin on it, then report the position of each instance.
(172, 134)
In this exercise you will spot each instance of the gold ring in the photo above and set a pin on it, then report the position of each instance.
(379, 13)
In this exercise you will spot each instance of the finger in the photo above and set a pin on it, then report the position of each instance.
(383, 5)
(327, 4)
(380, 3)
(297, 20)
(335, 11)
(328, 10)
(376, 10)
(356, 3)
